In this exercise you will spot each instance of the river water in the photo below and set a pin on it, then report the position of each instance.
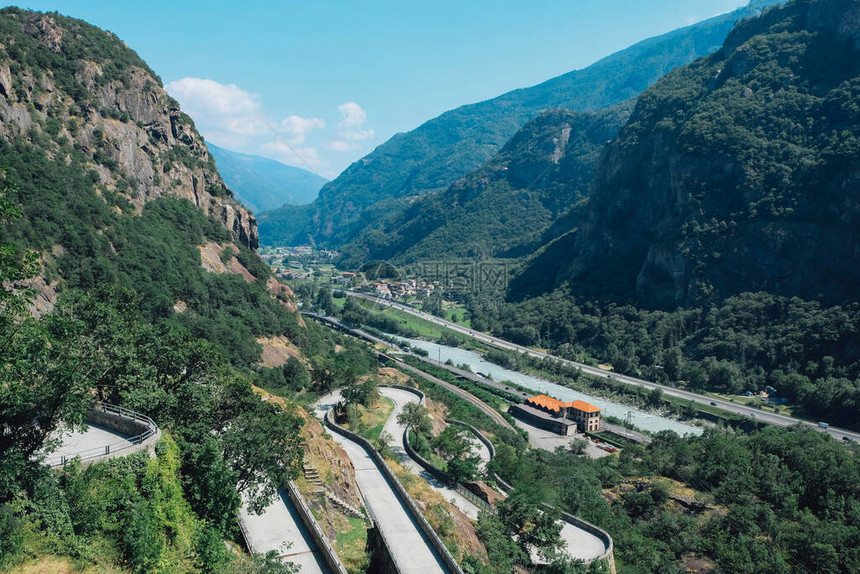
(640, 419)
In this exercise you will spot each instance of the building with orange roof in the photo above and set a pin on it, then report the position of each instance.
(585, 415)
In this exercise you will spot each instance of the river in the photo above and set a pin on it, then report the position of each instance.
(639, 419)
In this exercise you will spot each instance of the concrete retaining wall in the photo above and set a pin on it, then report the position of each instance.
(317, 534)
(398, 488)
(425, 464)
(142, 433)
(121, 424)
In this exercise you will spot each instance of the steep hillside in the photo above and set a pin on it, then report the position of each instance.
(432, 156)
(261, 183)
(116, 185)
(79, 95)
(736, 173)
(505, 208)
(127, 275)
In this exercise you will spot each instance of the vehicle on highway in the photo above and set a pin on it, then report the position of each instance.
(823, 425)
(713, 403)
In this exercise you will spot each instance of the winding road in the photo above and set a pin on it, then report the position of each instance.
(397, 430)
(411, 551)
(579, 543)
(764, 416)
(280, 528)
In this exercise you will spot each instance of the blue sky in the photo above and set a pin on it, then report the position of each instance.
(336, 79)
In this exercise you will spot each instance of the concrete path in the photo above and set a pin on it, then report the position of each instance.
(280, 528)
(479, 447)
(396, 430)
(412, 553)
(580, 544)
(88, 444)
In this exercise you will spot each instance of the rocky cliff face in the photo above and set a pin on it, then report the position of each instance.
(736, 173)
(64, 82)
(505, 208)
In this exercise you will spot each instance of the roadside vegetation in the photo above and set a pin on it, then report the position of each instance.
(113, 335)
(726, 500)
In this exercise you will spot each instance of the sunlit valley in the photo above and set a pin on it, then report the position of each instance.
(606, 323)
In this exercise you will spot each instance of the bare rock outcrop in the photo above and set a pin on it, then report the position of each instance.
(140, 142)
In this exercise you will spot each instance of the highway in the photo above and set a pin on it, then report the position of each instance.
(764, 416)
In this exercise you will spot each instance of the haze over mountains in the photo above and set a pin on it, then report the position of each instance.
(262, 184)
(434, 155)
(702, 193)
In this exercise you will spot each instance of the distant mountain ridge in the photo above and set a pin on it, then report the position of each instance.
(507, 207)
(434, 155)
(262, 184)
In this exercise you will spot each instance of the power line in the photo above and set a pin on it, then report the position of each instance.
(286, 143)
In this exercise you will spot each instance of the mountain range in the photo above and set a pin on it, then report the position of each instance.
(263, 184)
(431, 157)
(736, 173)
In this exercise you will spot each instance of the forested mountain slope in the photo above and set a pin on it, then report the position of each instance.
(127, 274)
(719, 247)
(434, 155)
(113, 181)
(736, 173)
(505, 208)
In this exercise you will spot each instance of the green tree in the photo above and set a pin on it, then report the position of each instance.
(534, 527)
(362, 393)
(14, 265)
(262, 446)
(296, 374)
(44, 386)
(655, 397)
(416, 417)
(672, 363)
(455, 448)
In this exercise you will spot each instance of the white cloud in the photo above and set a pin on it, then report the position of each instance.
(232, 117)
(338, 145)
(296, 128)
(223, 109)
(350, 127)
